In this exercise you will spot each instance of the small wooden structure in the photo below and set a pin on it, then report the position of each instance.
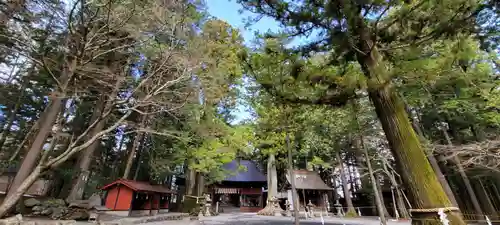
(311, 190)
(136, 198)
(241, 189)
(37, 189)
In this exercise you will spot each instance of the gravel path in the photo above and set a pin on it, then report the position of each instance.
(252, 219)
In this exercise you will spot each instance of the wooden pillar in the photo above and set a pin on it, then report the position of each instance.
(158, 198)
(105, 198)
(117, 196)
(304, 196)
(134, 194)
(321, 199)
(150, 203)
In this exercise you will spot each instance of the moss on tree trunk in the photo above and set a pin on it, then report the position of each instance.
(423, 185)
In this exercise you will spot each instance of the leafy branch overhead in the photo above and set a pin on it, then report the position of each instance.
(299, 80)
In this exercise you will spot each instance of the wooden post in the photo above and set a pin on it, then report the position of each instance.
(304, 196)
(117, 196)
(150, 203)
(158, 198)
(305, 203)
(134, 194)
(261, 199)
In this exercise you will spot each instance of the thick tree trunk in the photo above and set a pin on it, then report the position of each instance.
(200, 184)
(190, 181)
(419, 177)
(442, 179)
(406, 148)
(46, 126)
(345, 185)
(116, 166)
(272, 190)
(76, 192)
(432, 159)
(33, 153)
(141, 152)
(422, 182)
(16, 194)
(103, 105)
(133, 149)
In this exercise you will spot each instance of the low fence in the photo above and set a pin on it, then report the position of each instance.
(470, 218)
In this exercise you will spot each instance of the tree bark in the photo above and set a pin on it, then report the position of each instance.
(33, 153)
(381, 208)
(400, 201)
(432, 159)
(377, 190)
(135, 144)
(200, 184)
(401, 205)
(406, 148)
(78, 188)
(116, 166)
(103, 105)
(485, 200)
(10, 200)
(465, 178)
(422, 182)
(272, 185)
(190, 181)
(46, 126)
(291, 173)
(345, 185)
(141, 152)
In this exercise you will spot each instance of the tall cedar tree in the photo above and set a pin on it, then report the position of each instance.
(365, 32)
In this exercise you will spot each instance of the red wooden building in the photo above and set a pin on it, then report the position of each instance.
(137, 198)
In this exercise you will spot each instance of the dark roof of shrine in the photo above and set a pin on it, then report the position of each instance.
(139, 186)
(308, 180)
(244, 171)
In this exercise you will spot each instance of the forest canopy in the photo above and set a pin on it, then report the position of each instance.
(398, 95)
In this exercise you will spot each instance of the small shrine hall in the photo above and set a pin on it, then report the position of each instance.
(242, 189)
(131, 198)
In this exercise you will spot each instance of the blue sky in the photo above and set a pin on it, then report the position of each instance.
(228, 11)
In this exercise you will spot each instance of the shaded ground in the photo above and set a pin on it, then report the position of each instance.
(252, 219)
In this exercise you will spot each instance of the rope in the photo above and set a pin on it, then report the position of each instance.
(191, 196)
(435, 210)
